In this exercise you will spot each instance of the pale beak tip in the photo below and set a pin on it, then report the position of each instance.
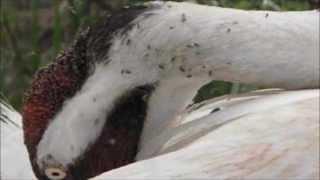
(54, 173)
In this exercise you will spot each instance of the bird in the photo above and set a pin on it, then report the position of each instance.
(266, 134)
(104, 102)
(261, 134)
(15, 163)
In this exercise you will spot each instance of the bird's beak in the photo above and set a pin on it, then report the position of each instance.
(55, 173)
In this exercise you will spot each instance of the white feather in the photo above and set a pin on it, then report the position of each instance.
(267, 136)
(262, 136)
(14, 158)
(280, 50)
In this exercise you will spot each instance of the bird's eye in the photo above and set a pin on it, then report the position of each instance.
(55, 173)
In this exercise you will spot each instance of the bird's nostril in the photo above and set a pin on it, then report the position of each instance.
(55, 173)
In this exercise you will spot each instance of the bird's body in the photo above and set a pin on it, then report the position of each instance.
(15, 163)
(174, 48)
(261, 135)
(264, 134)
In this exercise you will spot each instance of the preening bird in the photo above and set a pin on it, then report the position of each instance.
(121, 92)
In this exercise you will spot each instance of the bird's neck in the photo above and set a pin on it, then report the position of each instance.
(83, 117)
(194, 44)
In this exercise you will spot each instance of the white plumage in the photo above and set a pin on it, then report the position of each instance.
(269, 134)
(15, 162)
(206, 43)
(262, 135)
(180, 47)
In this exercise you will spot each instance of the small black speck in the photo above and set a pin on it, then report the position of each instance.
(173, 59)
(188, 106)
(149, 47)
(235, 22)
(192, 45)
(49, 156)
(94, 99)
(96, 121)
(125, 71)
(128, 41)
(210, 73)
(189, 46)
(183, 18)
(189, 76)
(215, 110)
(161, 66)
(229, 63)
(181, 68)
(228, 30)
(267, 15)
(171, 27)
(203, 67)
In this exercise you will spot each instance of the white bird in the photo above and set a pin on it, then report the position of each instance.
(15, 163)
(84, 113)
(261, 135)
(265, 134)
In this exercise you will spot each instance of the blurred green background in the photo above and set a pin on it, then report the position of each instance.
(32, 32)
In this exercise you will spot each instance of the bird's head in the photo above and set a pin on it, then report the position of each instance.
(48, 108)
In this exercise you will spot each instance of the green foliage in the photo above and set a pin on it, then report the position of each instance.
(33, 32)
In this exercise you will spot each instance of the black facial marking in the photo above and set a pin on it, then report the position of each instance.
(118, 142)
